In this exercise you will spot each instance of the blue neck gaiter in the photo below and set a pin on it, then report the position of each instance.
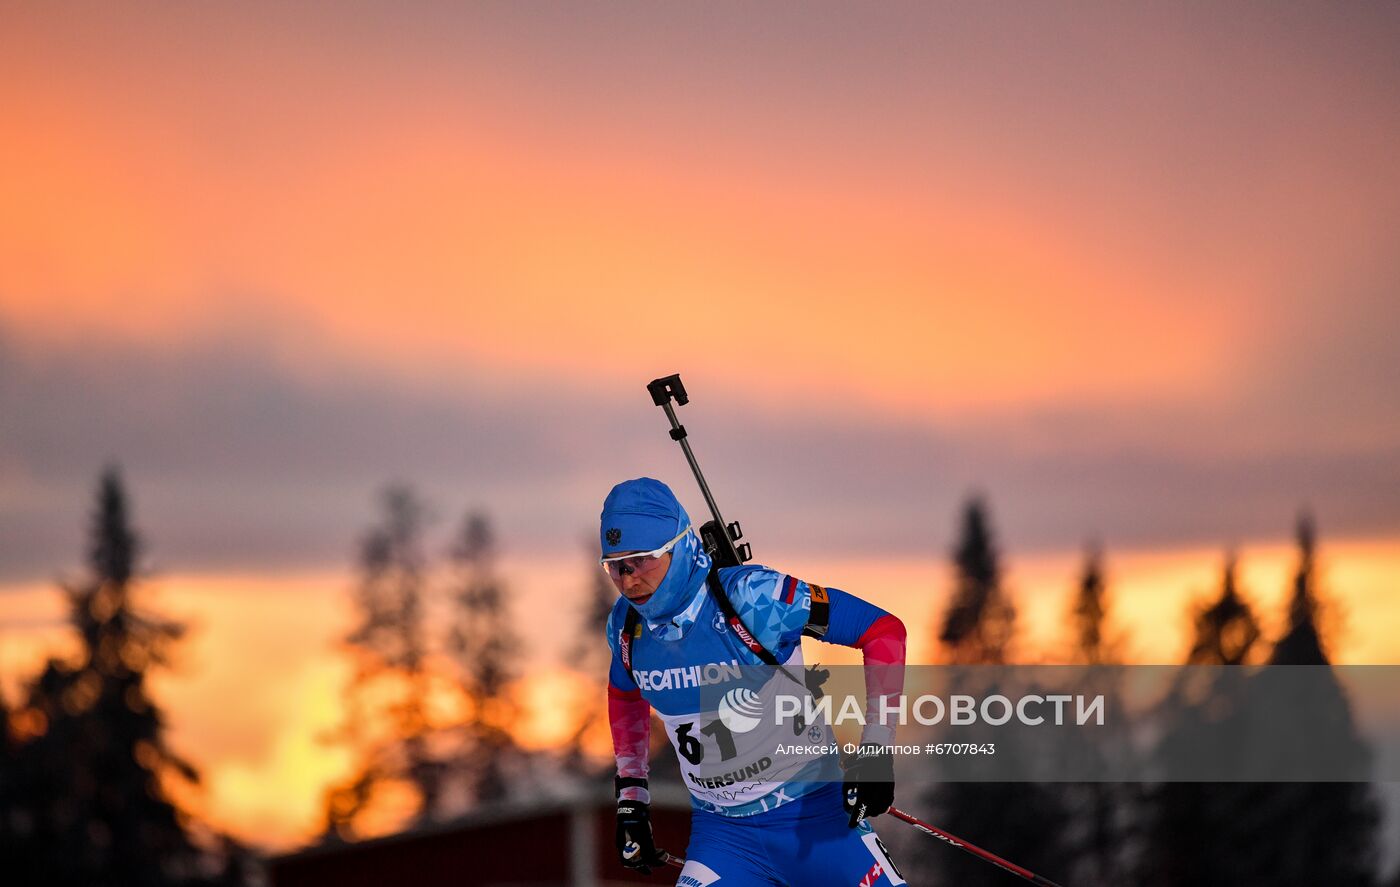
(684, 578)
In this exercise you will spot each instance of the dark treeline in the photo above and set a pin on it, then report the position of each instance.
(1221, 834)
(430, 713)
(87, 777)
(431, 707)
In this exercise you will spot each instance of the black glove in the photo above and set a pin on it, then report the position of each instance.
(635, 845)
(869, 788)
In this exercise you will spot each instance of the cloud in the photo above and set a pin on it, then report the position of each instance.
(999, 207)
(233, 458)
(238, 460)
(1130, 276)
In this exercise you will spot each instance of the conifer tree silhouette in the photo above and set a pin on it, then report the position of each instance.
(1189, 823)
(1023, 821)
(590, 656)
(10, 811)
(92, 782)
(1101, 822)
(1303, 833)
(980, 618)
(387, 700)
(485, 646)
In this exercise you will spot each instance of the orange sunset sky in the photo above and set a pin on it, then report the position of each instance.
(1130, 272)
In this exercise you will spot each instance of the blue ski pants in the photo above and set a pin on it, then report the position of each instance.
(804, 843)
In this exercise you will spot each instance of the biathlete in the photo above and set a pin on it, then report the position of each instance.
(683, 638)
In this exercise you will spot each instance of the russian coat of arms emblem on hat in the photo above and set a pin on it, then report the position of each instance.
(614, 536)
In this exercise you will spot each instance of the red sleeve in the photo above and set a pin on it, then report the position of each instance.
(629, 715)
(882, 645)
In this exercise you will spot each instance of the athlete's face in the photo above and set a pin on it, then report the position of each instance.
(639, 584)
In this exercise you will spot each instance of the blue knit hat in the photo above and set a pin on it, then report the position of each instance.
(640, 515)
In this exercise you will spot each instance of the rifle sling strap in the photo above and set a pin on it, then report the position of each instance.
(633, 621)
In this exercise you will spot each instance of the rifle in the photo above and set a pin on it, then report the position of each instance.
(720, 540)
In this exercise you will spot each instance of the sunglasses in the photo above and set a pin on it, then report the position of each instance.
(627, 564)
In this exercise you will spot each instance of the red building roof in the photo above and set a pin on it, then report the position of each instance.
(566, 843)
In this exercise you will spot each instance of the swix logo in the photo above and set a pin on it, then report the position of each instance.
(743, 634)
(624, 644)
(871, 876)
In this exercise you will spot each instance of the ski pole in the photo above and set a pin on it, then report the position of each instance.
(972, 848)
(674, 860)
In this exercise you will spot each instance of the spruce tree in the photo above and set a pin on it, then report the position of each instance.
(1023, 821)
(1302, 643)
(10, 811)
(1101, 822)
(1092, 643)
(389, 646)
(485, 647)
(1304, 833)
(97, 812)
(1196, 829)
(980, 619)
(1226, 631)
(590, 656)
